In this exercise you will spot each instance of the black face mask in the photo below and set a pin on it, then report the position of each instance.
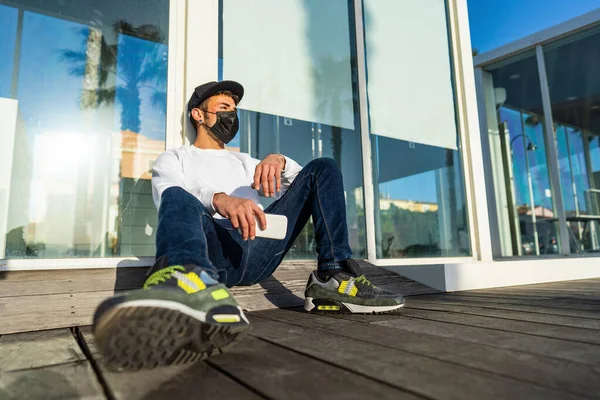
(226, 127)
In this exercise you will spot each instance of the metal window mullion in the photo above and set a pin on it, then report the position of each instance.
(175, 73)
(363, 111)
(17, 56)
(488, 168)
(201, 63)
(552, 153)
(469, 131)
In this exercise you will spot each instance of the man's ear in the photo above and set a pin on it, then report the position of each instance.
(196, 115)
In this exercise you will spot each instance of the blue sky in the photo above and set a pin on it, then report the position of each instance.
(497, 22)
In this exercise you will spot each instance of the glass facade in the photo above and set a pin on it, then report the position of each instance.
(83, 116)
(526, 192)
(83, 98)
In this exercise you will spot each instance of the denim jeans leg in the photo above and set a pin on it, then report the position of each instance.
(188, 234)
(318, 190)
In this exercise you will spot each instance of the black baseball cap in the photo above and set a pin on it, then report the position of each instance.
(209, 89)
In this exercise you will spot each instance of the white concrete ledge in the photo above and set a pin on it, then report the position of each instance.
(483, 275)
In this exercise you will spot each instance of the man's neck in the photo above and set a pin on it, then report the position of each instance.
(204, 140)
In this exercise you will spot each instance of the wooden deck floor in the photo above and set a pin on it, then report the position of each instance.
(528, 342)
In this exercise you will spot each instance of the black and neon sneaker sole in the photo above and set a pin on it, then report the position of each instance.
(327, 306)
(146, 334)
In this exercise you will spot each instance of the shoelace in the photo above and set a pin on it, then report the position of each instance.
(362, 279)
(162, 275)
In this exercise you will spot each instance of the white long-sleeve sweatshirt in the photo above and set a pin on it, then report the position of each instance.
(205, 172)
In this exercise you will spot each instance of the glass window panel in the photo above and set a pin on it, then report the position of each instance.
(326, 63)
(573, 67)
(396, 60)
(90, 119)
(421, 208)
(520, 164)
(307, 40)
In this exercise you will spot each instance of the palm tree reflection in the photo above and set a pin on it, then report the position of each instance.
(117, 71)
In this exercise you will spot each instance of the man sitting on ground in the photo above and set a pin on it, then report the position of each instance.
(208, 202)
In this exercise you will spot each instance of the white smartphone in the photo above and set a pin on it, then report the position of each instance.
(276, 227)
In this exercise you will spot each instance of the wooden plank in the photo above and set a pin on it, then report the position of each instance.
(199, 380)
(574, 292)
(38, 349)
(363, 318)
(28, 283)
(530, 328)
(590, 283)
(27, 313)
(566, 286)
(575, 322)
(267, 300)
(279, 373)
(423, 364)
(507, 304)
(540, 345)
(593, 284)
(57, 382)
(568, 295)
(546, 301)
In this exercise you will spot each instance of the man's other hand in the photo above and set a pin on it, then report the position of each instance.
(268, 174)
(241, 213)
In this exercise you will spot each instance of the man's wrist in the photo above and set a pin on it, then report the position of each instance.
(217, 197)
(284, 161)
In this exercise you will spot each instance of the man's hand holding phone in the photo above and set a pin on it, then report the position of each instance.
(241, 213)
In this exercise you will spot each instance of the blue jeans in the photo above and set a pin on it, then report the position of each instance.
(188, 234)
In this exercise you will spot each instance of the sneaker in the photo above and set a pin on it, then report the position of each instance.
(181, 315)
(348, 291)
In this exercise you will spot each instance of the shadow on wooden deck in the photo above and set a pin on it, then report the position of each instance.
(48, 299)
